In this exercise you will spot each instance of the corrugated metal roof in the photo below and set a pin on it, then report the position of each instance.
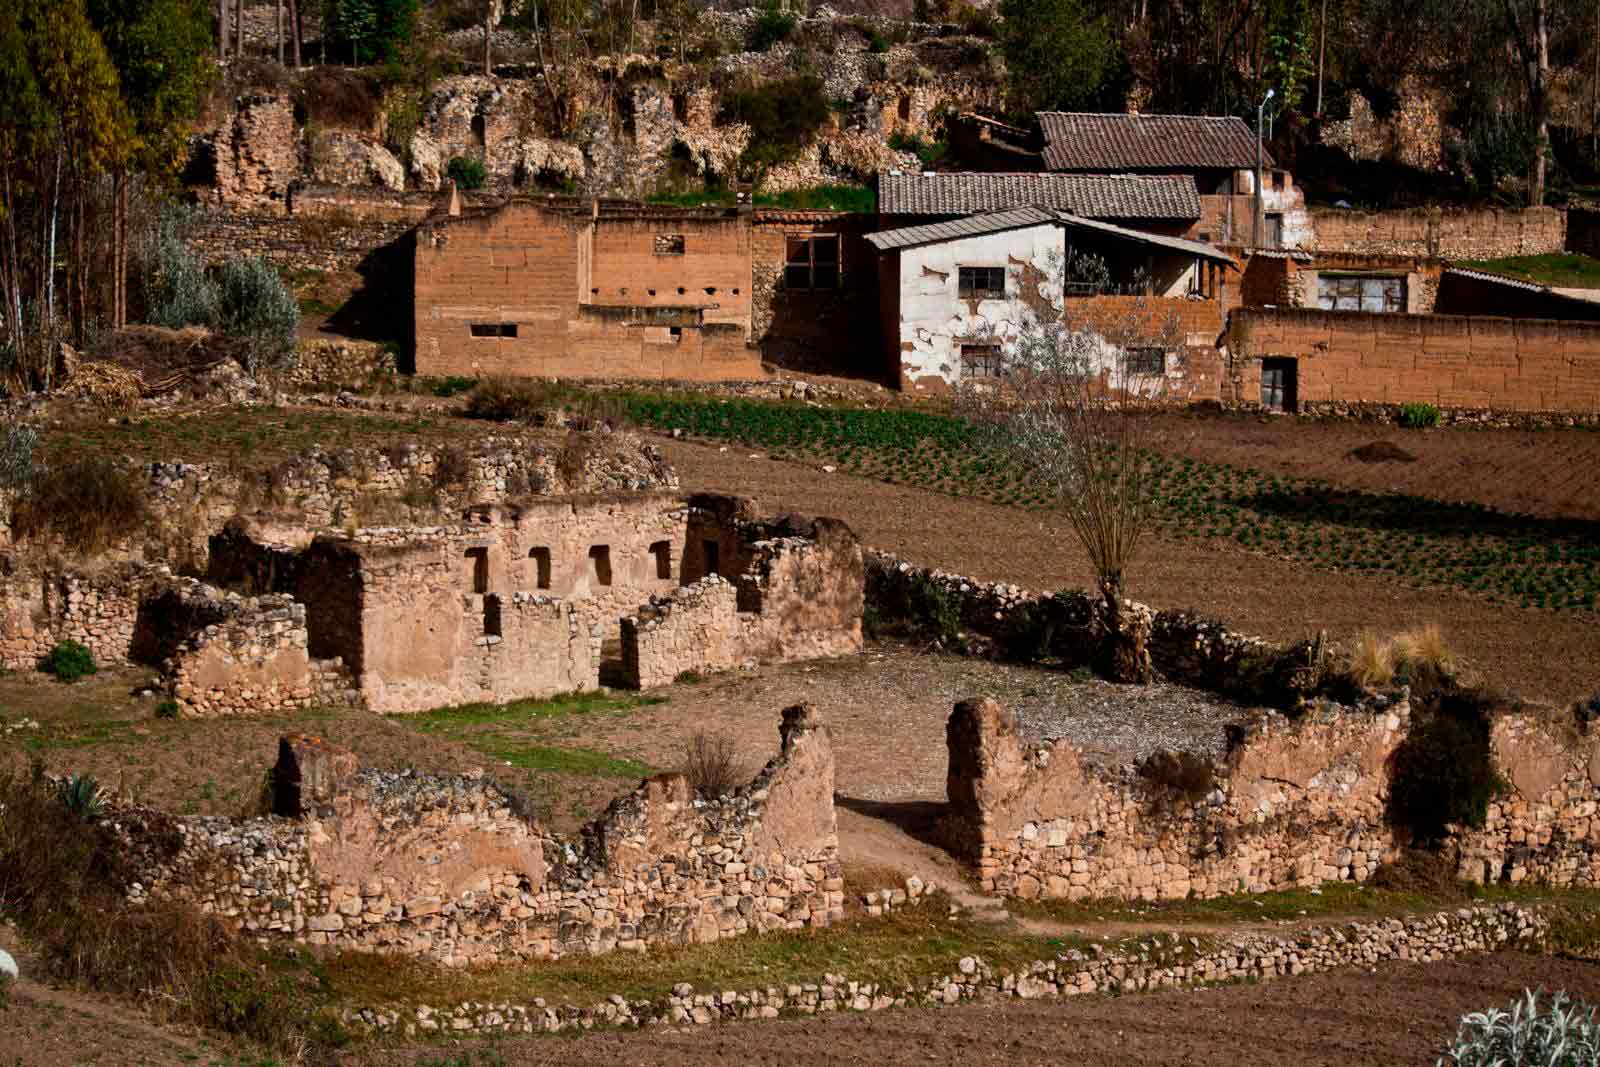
(1112, 142)
(1021, 218)
(1095, 196)
(1499, 279)
(971, 226)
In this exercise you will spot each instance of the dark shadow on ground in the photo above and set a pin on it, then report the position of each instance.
(918, 819)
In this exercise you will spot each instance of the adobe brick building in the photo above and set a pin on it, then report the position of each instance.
(585, 290)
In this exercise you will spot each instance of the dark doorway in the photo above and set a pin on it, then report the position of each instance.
(1278, 385)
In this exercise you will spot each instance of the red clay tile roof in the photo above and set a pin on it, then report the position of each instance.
(1076, 141)
(1095, 196)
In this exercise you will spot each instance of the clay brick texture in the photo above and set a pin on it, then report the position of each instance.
(532, 290)
(1452, 361)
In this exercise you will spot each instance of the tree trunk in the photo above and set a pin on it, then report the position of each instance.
(238, 29)
(1541, 101)
(488, 37)
(1124, 654)
(295, 30)
(280, 33)
(222, 30)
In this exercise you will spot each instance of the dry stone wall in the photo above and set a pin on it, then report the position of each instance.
(1160, 961)
(695, 627)
(450, 869)
(1477, 234)
(42, 607)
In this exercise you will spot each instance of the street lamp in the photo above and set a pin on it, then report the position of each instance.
(1255, 229)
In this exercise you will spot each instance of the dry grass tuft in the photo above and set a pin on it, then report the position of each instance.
(1371, 660)
(712, 766)
(1425, 646)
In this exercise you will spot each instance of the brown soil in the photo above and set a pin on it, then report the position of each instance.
(1550, 473)
(1540, 654)
(1403, 1013)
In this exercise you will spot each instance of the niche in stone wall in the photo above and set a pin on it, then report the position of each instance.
(491, 616)
(600, 561)
(541, 567)
(478, 569)
(713, 556)
(661, 552)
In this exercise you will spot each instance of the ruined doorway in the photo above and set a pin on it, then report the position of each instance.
(1278, 384)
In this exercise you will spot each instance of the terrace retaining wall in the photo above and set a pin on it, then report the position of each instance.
(450, 869)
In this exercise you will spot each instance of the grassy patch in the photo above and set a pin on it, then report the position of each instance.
(910, 945)
(1516, 559)
(516, 733)
(1564, 270)
(857, 199)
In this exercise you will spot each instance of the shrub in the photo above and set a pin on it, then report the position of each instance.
(1423, 659)
(512, 399)
(68, 662)
(1441, 774)
(1419, 416)
(63, 881)
(468, 173)
(89, 504)
(167, 709)
(258, 311)
(782, 116)
(17, 443)
(450, 468)
(1564, 1034)
(710, 764)
(82, 795)
(770, 27)
(177, 291)
(454, 385)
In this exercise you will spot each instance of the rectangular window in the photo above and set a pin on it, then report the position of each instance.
(982, 283)
(713, 553)
(1374, 293)
(478, 569)
(493, 329)
(669, 244)
(662, 552)
(811, 263)
(980, 361)
(1147, 362)
(541, 566)
(600, 559)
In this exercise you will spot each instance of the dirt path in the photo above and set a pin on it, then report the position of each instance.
(1540, 654)
(1396, 1014)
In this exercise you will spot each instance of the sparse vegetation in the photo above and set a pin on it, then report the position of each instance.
(257, 311)
(513, 399)
(88, 504)
(68, 661)
(772, 26)
(1564, 1033)
(711, 764)
(782, 115)
(467, 172)
(1419, 416)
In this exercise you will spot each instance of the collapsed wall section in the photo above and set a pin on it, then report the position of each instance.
(453, 870)
(40, 608)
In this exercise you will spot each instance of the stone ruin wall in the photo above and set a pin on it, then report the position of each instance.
(450, 869)
(1296, 804)
(41, 608)
(1447, 234)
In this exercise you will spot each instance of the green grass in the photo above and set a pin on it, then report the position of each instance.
(852, 198)
(516, 733)
(1540, 563)
(1564, 270)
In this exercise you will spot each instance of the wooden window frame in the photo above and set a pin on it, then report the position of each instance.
(977, 283)
(800, 273)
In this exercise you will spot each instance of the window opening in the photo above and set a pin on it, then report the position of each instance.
(662, 552)
(600, 559)
(1146, 361)
(1350, 292)
(980, 361)
(982, 283)
(713, 552)
(491, 616)
(541, 566)
(669, 244)
(811, 263)
(494, 329)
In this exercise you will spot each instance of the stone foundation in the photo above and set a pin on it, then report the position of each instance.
(452, 870)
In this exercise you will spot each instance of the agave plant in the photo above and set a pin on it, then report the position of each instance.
(1566, 1034)
(83, 796)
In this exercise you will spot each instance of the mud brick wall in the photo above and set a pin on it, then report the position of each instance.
(1452, 361)
(566, 294)
(40, 608)
(1294, 804)
(449, 869)
(1480, 234)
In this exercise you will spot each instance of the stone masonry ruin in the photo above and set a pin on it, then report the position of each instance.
(452, 869)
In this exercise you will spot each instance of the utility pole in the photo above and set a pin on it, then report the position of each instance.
(1258, 220)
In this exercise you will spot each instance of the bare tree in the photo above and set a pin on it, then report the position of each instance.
(1530, 35)
(1070, 403)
